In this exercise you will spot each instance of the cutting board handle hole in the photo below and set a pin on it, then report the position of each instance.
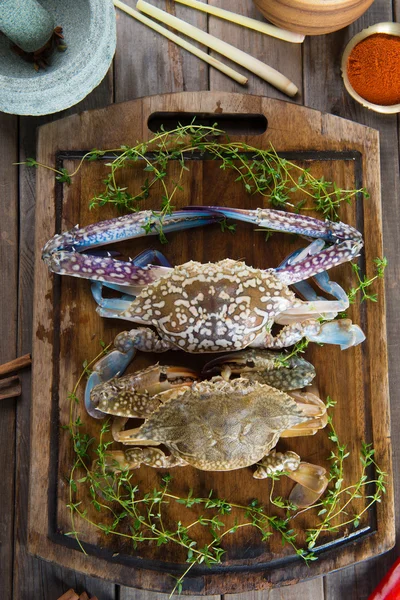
(232, 123)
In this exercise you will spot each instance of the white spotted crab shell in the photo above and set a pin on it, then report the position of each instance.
(212, 307)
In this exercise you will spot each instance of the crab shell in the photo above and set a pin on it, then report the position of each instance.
(218, 425)
(212, 307)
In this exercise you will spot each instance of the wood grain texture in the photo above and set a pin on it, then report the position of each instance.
(47, 580)
(312, 17)
(146, 63)
(342, 584)
(307, 590)
(132, 594)
(352, 367)
(280, 55)
(324, 90)
(8, 332)
(10, 387)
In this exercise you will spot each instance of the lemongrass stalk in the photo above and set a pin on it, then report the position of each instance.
(183, 43)
(245, 60)
(276, 32)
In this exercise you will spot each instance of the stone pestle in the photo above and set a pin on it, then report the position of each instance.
(26, 23)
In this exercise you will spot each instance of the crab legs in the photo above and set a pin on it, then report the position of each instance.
(63, 254)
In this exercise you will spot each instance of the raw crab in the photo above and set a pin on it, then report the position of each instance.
(217, 425)
(214, 307)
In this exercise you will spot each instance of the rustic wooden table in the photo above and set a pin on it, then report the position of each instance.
(146, 64)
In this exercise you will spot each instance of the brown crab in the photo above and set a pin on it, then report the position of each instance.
(217, 425)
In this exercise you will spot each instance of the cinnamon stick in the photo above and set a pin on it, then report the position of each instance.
(70, 595)
(15, 365)
(10, 387)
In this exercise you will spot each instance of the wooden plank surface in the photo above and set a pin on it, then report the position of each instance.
(324, 91)
(146, 63)
(132, 594)
(307, 590)
(8, 332)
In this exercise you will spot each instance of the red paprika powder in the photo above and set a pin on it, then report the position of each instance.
(373, 69)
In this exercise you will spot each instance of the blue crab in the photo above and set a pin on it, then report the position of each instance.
(214, 307)
(220, 424)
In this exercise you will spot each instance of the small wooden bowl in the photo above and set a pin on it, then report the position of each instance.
(312, 17)
(389, 28)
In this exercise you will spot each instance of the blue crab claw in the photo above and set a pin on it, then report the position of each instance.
(62, 253)
(341, 332)
(279, 220)
(127, 227)
(111, 365)
(304, 289)
(128, 291)
(94, 379)
(346, 242)
(101, 268)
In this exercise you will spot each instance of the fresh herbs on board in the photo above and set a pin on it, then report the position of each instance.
(260, 171)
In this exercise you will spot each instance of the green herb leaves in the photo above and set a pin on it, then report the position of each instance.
(365, 282)
(337, 502)
(277, 180)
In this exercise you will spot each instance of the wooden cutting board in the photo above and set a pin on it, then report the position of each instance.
(67, 330)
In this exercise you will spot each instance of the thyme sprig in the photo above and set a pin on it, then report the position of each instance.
(140, 515)
(338, 499)
(282, 360)
(260, 171)
(364, 282)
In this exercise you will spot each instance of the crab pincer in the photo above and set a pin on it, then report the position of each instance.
(109, 366)
(140, 394)
(65, 253)
(347, 241)
(311, 480)
(311, 484)
(264, 366)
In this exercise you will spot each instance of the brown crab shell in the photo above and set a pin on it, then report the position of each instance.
(220, 426)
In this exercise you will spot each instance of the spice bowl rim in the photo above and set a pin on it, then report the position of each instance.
(389, 28)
